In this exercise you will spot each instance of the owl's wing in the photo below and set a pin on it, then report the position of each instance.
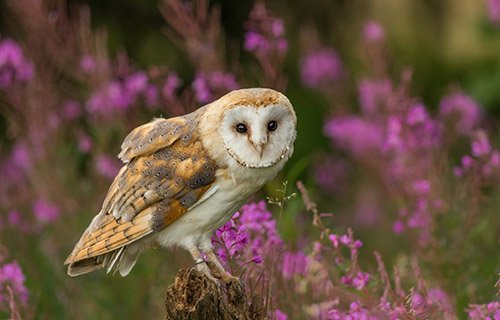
(166, 172)
(152, 136)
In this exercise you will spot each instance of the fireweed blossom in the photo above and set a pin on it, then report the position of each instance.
(45, 211)
(374, 94)
(172, 83)
(120, 95)
(87, 64)
(354, 134)
(462, 111)
(490, 311)
(265, 33)
(373, 32)
(483, 160)
(107, 166)
(248, 236)
(294, 263)
(211, 85)
(321, 68)
(279, 315)
(12, 275)
(230, 239)
(14, 67)
(494, 12)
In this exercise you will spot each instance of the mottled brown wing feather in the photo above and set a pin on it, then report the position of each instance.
(166, 172)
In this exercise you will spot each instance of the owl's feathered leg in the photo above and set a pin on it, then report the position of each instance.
(234, 285)
(217, 269)
(201, 264)
(211, 262)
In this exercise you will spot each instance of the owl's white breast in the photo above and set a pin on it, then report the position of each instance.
(226, 196)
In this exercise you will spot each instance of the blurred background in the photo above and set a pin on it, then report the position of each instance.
(398, 106)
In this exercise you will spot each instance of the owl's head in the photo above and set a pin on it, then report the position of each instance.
(257, 126)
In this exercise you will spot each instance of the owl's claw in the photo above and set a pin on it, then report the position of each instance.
(235, 288)
(202, 267)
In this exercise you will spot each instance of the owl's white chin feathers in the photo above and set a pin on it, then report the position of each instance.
(260, 164)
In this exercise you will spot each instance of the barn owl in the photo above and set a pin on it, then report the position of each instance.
(184, 177)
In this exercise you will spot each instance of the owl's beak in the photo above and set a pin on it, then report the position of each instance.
(260, 149)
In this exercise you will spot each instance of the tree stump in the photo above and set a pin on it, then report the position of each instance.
(194, 296)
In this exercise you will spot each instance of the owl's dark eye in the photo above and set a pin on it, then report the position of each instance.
(241, 128)
(272, 125)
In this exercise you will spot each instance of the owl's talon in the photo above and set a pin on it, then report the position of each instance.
(235, 288)
(201, 266)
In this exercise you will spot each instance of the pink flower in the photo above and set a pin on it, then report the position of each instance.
(87, 64)
(321, 68)
(294, 264)
(107, 166)
(279, 315)
(494, 13)
(398, 227)
(85, 143)
(13, 65)
(373, 32)
(421, 186)
(481, 145)
(172, 83)
(360, 280)
(334, 239)
(12, 275)
(462, 110)
(373, 94)
(208, 86)
(45, 211)
(354, 134)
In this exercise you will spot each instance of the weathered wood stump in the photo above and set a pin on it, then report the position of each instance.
(194, 296)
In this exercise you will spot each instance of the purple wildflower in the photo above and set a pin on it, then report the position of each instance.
(111, 98)
(441, 298)
(484, 311)
(373, 94)
(462, 110)
(480, 146)
(354, 134)
(330, 174)
(172, 83)
(321, 68)
(151, 95)
(71, 110)
(294, 264)
(12, 275)
(398, 227)
(265, 33)
(373, 32)
(136, 83)
(20, 156)
(87, 64)
(248, 236)
(421, 186)
(231, 239)
(14, 218)
(13, 64)
(280, 315)
(494, 12)
(255, 42)
(84, 143)
(360, 280)
(107, 166)
(260, 224)
(416, 114)
(208, 86)
(45, 211)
